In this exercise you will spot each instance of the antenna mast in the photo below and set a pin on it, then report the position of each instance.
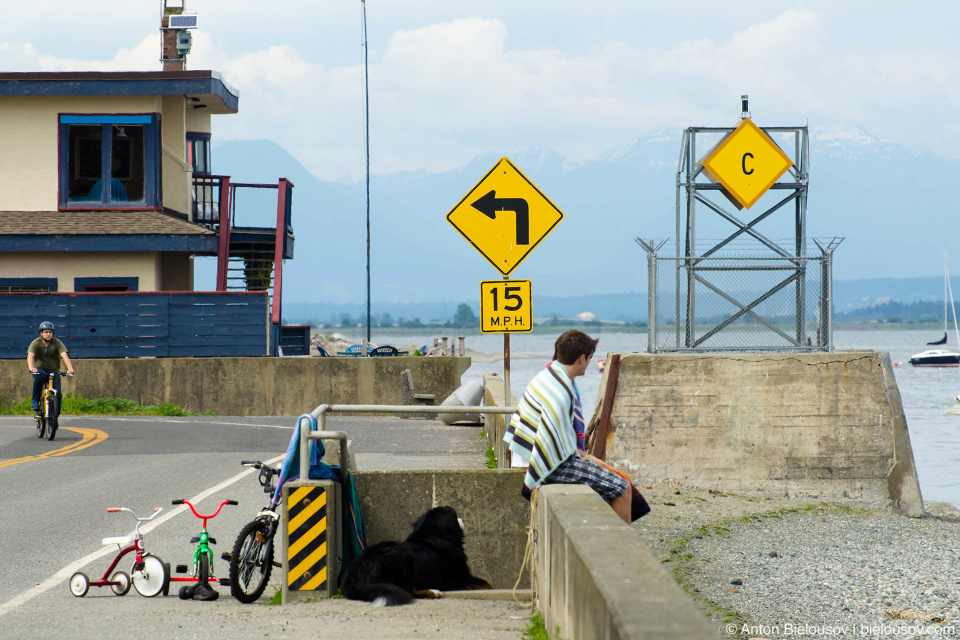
(366, 133)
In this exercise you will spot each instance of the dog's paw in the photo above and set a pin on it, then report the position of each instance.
(433, 594)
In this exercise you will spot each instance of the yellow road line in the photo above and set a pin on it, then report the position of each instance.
(88, 438)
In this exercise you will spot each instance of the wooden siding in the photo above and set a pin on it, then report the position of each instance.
(133, 325)
(295, 339)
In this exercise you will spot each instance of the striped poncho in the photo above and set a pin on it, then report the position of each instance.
(542, 431)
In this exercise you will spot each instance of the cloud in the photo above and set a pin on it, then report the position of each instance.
(144, 56)
(442, 93)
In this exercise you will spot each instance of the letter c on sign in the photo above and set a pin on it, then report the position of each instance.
(743, 163)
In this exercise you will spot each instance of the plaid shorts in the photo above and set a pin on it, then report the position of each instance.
(576, 470)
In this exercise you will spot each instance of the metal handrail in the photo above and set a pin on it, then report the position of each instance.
(320, 413)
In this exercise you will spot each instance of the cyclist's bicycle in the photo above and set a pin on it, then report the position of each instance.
(202, 559)
(150, 575)
(48, 417)
(251, 560)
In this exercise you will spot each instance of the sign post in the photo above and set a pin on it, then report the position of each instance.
(504, 217)
(506, 307)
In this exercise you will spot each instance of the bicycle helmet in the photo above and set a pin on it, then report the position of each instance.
(46, 324)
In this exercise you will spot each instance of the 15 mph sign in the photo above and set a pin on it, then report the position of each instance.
(505, 306)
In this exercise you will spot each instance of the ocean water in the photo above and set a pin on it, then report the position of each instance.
(927, 393)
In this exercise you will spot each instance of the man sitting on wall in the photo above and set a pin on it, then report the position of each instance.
(43, 357)
(543, 434)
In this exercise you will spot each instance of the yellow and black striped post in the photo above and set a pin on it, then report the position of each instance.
(311, 520)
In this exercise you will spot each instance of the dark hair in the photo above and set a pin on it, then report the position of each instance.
(573, 344)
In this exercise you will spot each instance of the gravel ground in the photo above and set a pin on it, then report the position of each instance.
(786, 569)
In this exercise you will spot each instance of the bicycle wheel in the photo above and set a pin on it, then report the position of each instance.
(203, 577)
(250, 563)
(41, 426)
(124, 586)
(79, 584)
(53, 416)
(150, 579)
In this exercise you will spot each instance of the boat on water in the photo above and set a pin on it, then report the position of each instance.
(941, 357)
(935, 358)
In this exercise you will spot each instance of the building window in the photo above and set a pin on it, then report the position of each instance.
(109, 161)
(105, 285)
(198, 153)
(27, 285)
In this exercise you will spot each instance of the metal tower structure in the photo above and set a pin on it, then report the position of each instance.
(746, 290)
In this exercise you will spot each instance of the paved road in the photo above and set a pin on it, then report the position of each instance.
(55, 496)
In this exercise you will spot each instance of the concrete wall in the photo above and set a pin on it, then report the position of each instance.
(495, 424)
(817, 425)
(494, 514)
(596, 579)
(246, 386)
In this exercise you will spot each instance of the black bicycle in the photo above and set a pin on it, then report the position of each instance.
(251, 560)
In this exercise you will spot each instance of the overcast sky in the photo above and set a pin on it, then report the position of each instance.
(450, 79)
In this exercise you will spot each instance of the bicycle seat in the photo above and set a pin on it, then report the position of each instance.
(120, 540)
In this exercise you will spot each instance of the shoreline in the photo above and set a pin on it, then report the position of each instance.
(782, 568)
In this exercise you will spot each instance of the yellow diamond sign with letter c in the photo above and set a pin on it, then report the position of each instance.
(504, 216)
(747, 163)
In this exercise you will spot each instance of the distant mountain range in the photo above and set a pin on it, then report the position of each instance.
(883, 198)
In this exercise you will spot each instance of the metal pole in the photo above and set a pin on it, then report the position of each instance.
(506, 363)
(652, 271)
(366, 131)
(826, 313)
(651, 300)
(681, 167)
(691, 245)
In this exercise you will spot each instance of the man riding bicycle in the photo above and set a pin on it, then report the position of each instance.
(43, 357)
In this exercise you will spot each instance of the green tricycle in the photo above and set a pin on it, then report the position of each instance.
(202, 561)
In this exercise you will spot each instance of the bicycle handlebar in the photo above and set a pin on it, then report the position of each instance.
(156, 512)
(203, 517)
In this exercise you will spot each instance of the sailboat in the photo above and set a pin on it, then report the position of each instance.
(941, 357)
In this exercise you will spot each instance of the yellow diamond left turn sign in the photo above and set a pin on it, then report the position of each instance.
(505, 216)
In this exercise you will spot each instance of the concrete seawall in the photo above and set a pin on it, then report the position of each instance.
(596, 579)
(826, 426)
(247, 386)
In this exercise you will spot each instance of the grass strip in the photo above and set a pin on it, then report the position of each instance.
(73, 404)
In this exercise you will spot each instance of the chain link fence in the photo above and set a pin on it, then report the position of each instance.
(739, 303)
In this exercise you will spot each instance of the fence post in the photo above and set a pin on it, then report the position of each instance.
(826, 292)
(651, 291)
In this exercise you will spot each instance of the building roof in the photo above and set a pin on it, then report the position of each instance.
(204, 88)
(103, 231)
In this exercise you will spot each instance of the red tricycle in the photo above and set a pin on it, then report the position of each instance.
(150, 575)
